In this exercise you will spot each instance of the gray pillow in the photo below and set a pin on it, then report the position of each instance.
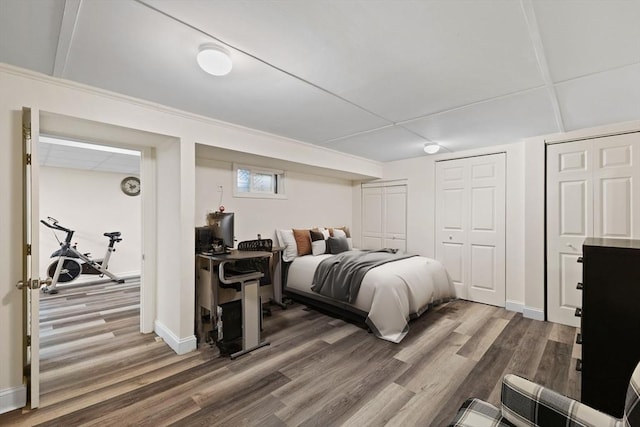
(337, 245)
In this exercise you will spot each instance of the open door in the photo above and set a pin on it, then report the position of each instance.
(30, 283)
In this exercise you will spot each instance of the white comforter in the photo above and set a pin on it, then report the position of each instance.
(390, 293)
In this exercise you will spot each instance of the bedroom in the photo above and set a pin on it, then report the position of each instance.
(177, 177)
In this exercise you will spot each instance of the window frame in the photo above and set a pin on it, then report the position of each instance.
(277, 174)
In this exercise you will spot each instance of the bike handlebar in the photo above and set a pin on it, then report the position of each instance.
(54, 224)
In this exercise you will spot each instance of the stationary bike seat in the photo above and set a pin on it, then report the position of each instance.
(112, 234)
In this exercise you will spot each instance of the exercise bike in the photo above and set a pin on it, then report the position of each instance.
(71, 263)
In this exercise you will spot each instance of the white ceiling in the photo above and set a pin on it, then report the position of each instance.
(376, 79)
(64, 153)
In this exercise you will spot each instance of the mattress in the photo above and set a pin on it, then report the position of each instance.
(391, 293)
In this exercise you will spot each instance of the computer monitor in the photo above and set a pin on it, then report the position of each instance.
(221, 224)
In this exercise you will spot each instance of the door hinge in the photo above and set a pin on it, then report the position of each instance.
(27, 159)
(26, 131)
(28, 340)
(28, 249)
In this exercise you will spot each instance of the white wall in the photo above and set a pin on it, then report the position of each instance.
(311, 200)
(91, 203)
(174, 135)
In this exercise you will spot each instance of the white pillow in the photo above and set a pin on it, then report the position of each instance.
(319, 247)
(339, 233)
(286, 239)
(350, 242)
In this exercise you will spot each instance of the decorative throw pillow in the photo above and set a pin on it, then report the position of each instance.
(345, 229)
(337, 245)
(337, 232)
(325, 233)
(318, 243)
(286, 239)
(303, 241)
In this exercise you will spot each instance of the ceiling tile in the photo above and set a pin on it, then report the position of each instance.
(585, 37)
(400, 60)
(604, 98)
(54, 155)
(383, 145)
(500, 121)
(29, 33)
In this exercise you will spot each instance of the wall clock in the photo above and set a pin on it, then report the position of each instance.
(130, 186)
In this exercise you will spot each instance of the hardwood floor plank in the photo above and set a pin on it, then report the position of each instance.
(562, 333)
(368, 385)
(480, 342)
(489, 369)
(435, 366)
(472, 316)
(553, 370)
(434, 385)
(336, 391)
(526, 358)
(380, 408)
(238, 401)
(429, 338)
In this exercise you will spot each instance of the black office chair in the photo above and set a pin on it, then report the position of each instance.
(262, 264)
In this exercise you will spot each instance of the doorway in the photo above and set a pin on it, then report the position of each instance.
(87, 316)
(149, 145)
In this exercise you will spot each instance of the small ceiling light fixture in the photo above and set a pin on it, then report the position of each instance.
(431, 148)
(214, 60)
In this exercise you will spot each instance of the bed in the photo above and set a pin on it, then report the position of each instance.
(390, 294)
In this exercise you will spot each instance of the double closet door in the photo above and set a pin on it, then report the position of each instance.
(384, 216)
(470, 226)
(593, 190)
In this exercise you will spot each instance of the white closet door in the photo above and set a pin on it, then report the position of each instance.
(486, 237)
(395, 217)
(470, 226)
(451, 221)
(570, 221)
(372, 237)
(616, 181)
(592, 191)
(384, 217)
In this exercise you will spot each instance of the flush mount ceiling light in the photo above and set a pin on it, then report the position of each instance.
(214, 60)
(431, 148)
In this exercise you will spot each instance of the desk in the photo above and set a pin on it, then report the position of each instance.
(209, 294)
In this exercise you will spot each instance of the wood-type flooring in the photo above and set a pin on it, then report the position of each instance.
(98, 369)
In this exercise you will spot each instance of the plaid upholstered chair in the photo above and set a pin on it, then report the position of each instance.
(524, 403)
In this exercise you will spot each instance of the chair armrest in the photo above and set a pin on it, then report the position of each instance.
(525, 403)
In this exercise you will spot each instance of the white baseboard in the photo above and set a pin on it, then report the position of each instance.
(514, 306)
(533, 313)
(13, 398)
(180, 346)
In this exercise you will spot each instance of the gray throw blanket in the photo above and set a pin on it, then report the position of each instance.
(340, 276)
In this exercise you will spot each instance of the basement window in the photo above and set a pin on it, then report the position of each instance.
(257, 182)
